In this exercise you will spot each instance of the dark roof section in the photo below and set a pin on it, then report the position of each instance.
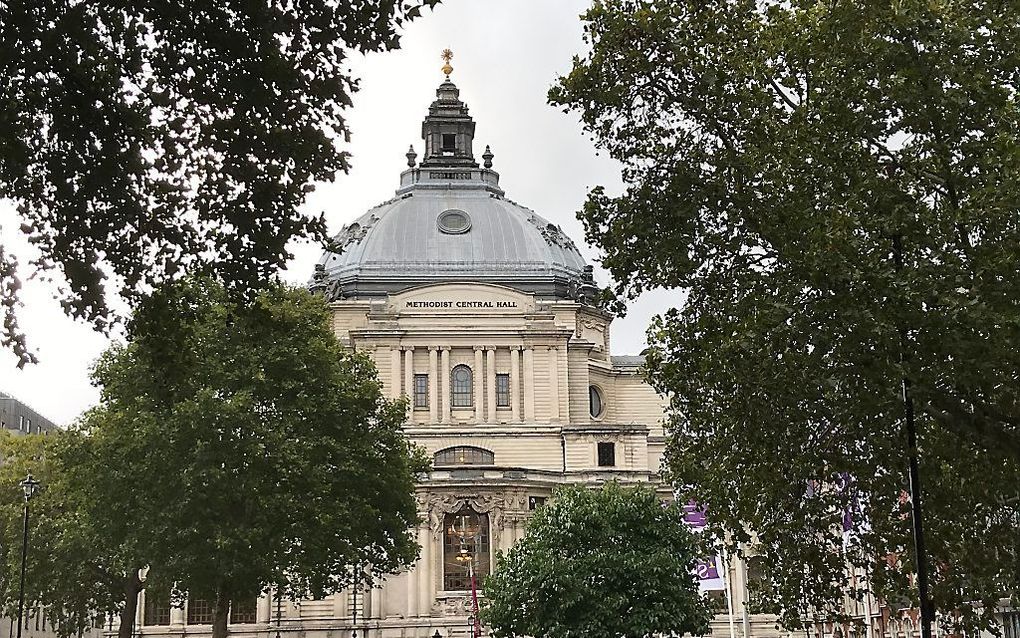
(20, 418)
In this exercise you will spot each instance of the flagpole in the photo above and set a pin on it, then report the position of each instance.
(729, 593)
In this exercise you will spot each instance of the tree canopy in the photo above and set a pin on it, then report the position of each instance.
(139, 140)
(833, 188)
(80, 563)
(604, 563)
(237, 447)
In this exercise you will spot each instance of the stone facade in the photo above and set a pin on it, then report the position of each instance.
(482, 314)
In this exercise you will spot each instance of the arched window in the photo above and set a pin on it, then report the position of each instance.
(464, 455)
(462, 389)
(465, 549)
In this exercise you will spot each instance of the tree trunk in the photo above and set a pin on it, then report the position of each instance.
(220, 614)
(132, 587)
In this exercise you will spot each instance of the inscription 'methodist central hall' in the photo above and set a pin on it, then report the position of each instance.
(482, 313)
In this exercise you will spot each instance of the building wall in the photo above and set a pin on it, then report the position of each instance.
(553, 351)
(19, 418)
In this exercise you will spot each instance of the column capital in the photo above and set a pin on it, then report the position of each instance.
(444, 348)
(433, 348)
(490, 348)
(407, 348)
(517, 348)
(477, 348)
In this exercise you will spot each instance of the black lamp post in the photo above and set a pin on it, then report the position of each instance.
(29, 487)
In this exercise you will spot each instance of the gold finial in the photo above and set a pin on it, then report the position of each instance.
(447, 55)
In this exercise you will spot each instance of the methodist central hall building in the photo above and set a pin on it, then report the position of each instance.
(482, 313)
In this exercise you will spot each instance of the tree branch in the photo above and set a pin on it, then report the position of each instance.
(979, 426)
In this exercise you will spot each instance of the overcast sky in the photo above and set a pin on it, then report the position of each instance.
(506, 55)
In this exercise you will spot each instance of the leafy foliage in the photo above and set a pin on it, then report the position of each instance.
(267, 448)
(76, 567)
(237, 446)
(833, 187)
(142, 139)
(602, 563)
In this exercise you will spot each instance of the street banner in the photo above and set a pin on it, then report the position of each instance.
(710, 570)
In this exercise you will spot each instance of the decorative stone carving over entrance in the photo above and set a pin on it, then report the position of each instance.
(442, 504)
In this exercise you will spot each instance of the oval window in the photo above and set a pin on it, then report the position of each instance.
(454, 222)
(595, 404)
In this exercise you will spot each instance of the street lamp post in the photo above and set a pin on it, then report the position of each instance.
(29, 487)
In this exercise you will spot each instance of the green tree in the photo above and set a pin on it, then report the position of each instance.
(237, 446)
(833, 188)
(602, 563)
(140, 139)
(79, 564)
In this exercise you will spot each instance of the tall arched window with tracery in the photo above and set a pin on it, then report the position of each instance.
(462, 388)
(465, 549)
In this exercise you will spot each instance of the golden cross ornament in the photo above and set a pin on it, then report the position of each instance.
(447, 55)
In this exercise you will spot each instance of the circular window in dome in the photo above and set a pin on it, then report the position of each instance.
(454, 222)
(595, 405)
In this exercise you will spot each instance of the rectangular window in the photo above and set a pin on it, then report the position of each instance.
(535, 502)
(607, 454)
(421, 390)
(502, 390)
(200, 611)
(21, 422)
(157, 611)
(449, 142)
(242, 612)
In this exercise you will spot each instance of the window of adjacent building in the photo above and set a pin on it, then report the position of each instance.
(595, 403)
(200, 612)
(462, 390)
(465, 549)
(607, 454)
(464, 455)
(535, 502)
(449, 142)
(421, 390)
(754, 569)
(502, 390)
(242, 612)
(157, 610)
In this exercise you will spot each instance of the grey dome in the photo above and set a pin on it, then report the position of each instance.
(401, 243)
(450, 222)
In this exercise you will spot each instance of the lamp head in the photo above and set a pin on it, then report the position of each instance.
(29, 487)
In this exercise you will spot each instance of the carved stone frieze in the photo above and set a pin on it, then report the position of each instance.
(442, 504)
(451, 606)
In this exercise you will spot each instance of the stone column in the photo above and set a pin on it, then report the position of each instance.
(490, 382)
(177, 615)
(529, 384)
(409, 378)
(395, 373)
(139, 609)
(479, 380)
(444, 389)
(264, 608)
(425, 565)
(515, 382)
(554, 382)
(375, 603)
(433, 384)
(412, 585)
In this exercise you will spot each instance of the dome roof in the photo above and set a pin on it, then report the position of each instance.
(451, 222)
